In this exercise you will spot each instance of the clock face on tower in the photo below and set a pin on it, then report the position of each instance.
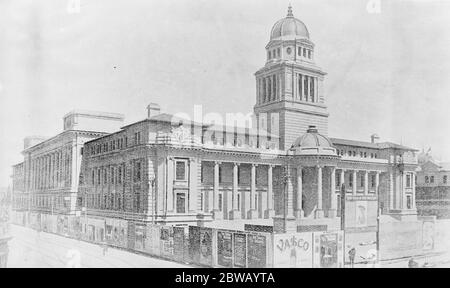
(288, 50)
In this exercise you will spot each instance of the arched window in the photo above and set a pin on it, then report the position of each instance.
(427, 179)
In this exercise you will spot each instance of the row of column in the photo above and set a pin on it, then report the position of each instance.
(305, 88)
(269, 88)
(354, 180)
(333, 189)
(236, 213)
(52, 170)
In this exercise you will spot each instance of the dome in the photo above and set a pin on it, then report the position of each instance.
(289, 28)
(313, 143)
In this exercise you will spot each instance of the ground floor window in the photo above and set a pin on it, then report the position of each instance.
(409, 201)
(181, 203)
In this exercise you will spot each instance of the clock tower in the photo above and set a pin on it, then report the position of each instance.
(289, 88)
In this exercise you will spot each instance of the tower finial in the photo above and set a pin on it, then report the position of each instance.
(290, 11)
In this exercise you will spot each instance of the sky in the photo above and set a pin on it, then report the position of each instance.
(387, 61)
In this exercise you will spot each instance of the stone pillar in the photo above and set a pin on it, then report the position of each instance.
(308, 98)
(366, 182)
(342, 178)
(403, 191)
(319, 210)
(299, 205)
(270, 212)
(391, 191)
(287, 222)
(235, 213)
(413, 179)
(355, 182)
(169, 186)
(253, 213)
(193, 185)
(216, 212)
(333, 208)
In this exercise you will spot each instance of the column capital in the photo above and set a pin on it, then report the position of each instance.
(217, 162)
(236, 163)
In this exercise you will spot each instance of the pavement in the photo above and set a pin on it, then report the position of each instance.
(28, 248)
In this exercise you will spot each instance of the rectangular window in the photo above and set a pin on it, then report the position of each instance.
(180, 171)
(119, 180)
(137, 171)
(105, 176)
(113, 175)
(372, 181)
(431, 179)
(201, 202)
(220, 202)
(408, 201)
(408, 181)
(350, 180)
(444, 179)
(239, 202)
(138, 202)
(181, 203)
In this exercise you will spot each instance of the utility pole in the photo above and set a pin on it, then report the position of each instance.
(378, 225)
(343, 218)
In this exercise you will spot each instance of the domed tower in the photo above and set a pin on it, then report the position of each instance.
(289, 94)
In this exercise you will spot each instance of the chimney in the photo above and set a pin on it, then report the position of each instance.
(153, 109)
(374, 138)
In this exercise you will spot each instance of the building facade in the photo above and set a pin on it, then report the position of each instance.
(284, 170)
(433, 187)
(47, 181)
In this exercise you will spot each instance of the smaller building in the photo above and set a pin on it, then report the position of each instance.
(4, 226)
(433, 187)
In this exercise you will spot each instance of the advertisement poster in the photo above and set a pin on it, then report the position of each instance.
(131, 235)
(167, 241)
(206, 246)
(178, 243)
(240, 250)
(256, 251)
(293, 250)
(327, 248)
(194, 244)
(152, 240)
(361, 213)
(224, 248)
(139, 236)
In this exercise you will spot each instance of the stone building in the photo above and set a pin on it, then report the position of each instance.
(433, 187)
(282, 171)
(47, 181)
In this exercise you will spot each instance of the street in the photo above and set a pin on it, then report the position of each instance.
(29, 248)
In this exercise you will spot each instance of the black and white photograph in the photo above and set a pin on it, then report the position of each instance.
(224, 134)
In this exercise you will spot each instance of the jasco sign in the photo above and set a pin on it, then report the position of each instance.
(293, 250)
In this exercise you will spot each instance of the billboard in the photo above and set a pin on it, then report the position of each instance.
(257, 251)
(224, 248)
(328, 249)
(240, 250)
(293, 250)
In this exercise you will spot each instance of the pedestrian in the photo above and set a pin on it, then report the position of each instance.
(105, 248)
(412, 263)
(351, 256)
